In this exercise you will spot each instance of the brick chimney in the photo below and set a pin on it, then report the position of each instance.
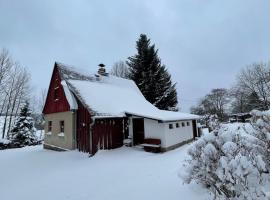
(102, 70)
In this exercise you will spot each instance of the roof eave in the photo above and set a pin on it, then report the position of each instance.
(162, 120)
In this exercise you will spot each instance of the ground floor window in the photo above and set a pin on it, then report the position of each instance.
(49, 126)
(62, 126)
(170, 126)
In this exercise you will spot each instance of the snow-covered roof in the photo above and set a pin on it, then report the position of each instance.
(70, 97)
(112, 96)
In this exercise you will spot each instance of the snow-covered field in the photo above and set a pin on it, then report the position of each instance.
(125, 173)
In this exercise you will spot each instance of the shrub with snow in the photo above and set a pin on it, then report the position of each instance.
(228, 161)
(210, 121)
(4, 143)
(23, 132)
(262, 131)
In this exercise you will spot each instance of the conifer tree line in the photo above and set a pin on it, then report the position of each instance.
(151, 76)
(250, 92)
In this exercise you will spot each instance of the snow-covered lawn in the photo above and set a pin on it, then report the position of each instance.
(125, 173)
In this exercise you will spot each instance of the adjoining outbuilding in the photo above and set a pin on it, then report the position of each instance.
(91, 111)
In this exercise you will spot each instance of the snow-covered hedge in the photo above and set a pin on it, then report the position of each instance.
(228, 161)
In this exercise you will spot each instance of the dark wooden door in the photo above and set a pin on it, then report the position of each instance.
(195, 131)
(138, 131)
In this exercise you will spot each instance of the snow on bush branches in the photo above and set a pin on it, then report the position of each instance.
(229, 161)
(262, 130)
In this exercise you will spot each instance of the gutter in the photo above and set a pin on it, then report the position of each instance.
(162, 121)
(180, 120)
(74, 124)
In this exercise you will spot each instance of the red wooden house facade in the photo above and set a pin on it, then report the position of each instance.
(89, 112)
(90, 134)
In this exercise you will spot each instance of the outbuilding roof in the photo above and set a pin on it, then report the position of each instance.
(111, 96)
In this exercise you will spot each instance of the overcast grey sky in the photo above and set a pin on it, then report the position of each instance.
(204, 43)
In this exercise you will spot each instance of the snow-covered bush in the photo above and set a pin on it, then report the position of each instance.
(213, 122)
(228, 162)
(23, 132)
(4, 143)
(261, 125)
(210, 121)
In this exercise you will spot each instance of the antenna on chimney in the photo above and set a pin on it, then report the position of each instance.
(102, 70)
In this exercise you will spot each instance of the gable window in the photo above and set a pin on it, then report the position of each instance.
(56, 93)
(183, 124)
(188, 124)
(170, 126)
(177, 125)
(62, 126)
(49, 126)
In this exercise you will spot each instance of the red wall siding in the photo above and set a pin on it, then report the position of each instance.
(52, 105)
(108, 134)
(83, 128)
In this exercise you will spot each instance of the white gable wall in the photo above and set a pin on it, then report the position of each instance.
(153, 129)
(177, 135)
(169, 137)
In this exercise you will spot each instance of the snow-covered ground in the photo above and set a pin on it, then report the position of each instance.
(125, 173)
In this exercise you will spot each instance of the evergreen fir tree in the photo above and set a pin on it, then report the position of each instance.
(23, 132)
(152, 78)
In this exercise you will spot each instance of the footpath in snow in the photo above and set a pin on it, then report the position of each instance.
(32, 173)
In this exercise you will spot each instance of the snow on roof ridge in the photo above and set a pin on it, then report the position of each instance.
(83, 74)
(113, 96)
(74, 73)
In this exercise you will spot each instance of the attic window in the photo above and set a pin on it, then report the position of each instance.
(56, 93)
(170, 126)
(49, 126)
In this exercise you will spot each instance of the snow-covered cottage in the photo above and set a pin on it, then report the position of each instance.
(99, 111)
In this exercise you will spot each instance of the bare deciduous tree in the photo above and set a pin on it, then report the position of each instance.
(14, 87)
(256, 79)
(214, 103)
(5, 67)
(120, 69)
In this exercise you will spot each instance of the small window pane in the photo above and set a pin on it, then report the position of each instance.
(56, 94)
(49, 126)
(170, 126)
(62, 126)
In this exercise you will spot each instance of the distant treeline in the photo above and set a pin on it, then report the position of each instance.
(251, 91)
